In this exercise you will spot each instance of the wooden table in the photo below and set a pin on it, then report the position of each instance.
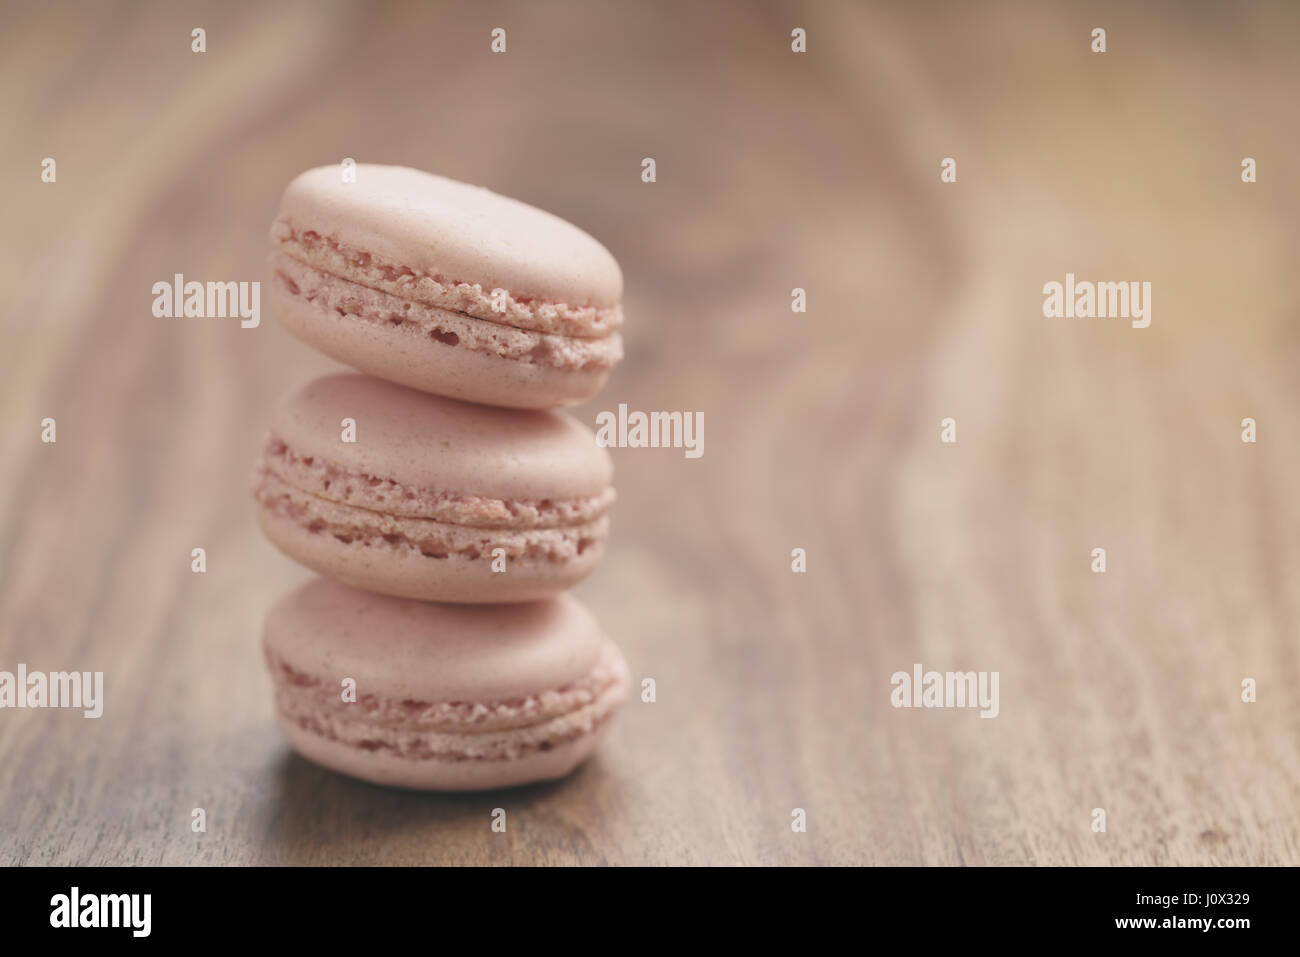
(775, 170)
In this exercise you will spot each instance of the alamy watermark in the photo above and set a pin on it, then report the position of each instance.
(1084, 299)
(179, 299)
(55, 689)
(946, 689)
(651, 430)
(130, 911)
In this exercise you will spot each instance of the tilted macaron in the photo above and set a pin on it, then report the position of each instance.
(447, 697)
(446, 287)
(418, 505)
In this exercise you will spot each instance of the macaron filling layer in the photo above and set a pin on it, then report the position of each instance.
(330, 294)
(431, 539)
(329, 255)
(453, 730)
(329, 480)
(365, 510)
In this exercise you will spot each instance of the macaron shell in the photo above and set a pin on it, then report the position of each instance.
(432, 652)
(404, 573)
(461, 232)
(379, 767)
(431, 442)
(397, 354)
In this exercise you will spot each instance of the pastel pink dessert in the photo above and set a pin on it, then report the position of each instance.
(435, 499)
(445, 287)
(440, 697)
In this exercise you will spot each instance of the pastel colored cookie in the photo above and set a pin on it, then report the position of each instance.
(448, 697)
(418, 505)
(446, 287)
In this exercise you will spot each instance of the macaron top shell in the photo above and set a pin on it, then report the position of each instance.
(424, 441)
(458, 232)
(429, 652)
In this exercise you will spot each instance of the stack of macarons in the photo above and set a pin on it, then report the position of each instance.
(446, 504)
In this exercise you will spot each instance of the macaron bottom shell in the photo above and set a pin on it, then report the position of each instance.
(401, 354)
(443, 697)
(390, 770)
(404, 572)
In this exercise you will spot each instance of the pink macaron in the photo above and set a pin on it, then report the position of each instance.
(440, 697)
(445, 287)
(413, 495)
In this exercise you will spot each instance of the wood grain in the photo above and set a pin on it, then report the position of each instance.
(775, 170)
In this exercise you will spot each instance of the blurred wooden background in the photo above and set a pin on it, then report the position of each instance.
(775, 170)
